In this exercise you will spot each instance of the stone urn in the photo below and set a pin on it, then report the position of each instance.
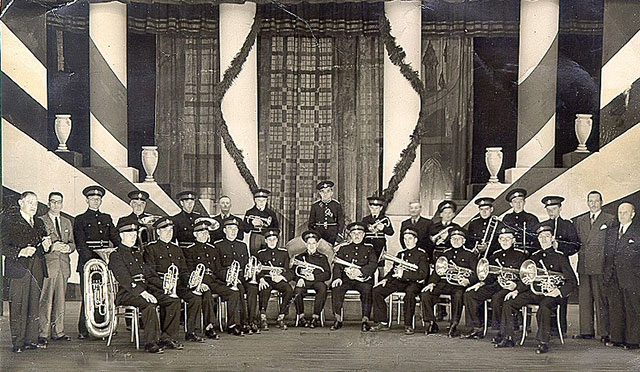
(62, 127)
(149, 161)
(493, 160)
(583, 130)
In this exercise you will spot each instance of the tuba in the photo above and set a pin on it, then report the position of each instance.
(540, 280)
(99, 294)
(170, 281)
(251, 270)
(233, 275)
(506, 275)
(452, 272)
(339, 261)
(400, 262)
(196, 277)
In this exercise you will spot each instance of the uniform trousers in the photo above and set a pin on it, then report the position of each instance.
(380, 293)
(546, 306)
(248, 309)
(429, 299)
(364, 288)
(473, 300)
(282, 287)
(24, 309)
(194, 308)
(233, 302)
(169, 324)
(319, 301)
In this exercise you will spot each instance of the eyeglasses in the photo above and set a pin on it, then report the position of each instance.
(55, 201)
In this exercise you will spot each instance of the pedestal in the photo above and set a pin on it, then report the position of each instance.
(572, 158)
(72, 157)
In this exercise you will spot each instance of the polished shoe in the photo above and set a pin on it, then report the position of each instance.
(82, 336)
(631, 347)
(61, 338)
(153, 348)
(170, 344)
(377, 327)
(211, 334)
(409, 331)
(431, 327)
(282, 324)
(264, 325)
(42, 342)
(314, 323)
(18, 349)
(365, 327)
(475, 334)
(31, 346)
(336, 325)
(193, 337)
(235, 330)
(302, 322)
(614, 344)
(542, 349)
(453, 330)
(583, 337)
(605, 339)
(496, 339)
(506, 342)
(247, 330)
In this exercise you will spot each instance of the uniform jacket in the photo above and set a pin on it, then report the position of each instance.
(317, 259)
(225, 253)
(361, 254)
(17, 233)
(92, 226)
(422, 228)
(379, 239)
(219, 233)
(523, 222)
(327, 219)
(267, 214)
(183, 229)
(129, 270)
(416, 256)
(462, 257)
(57, 261)
(566, 236)
(435, 248)
(203, 253)
(477, 230)
(592, 239)
(508, 258)
(160, 255)
(278, 257)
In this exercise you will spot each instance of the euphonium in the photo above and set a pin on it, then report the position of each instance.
(233, 275)
(170, 281)
(541, 281)
(99, 295)
(272, 270)
(506, 275)
(452, 272)
(196, 277)
(304, 268)
(251, 270)
(406, 265)
(338, 260)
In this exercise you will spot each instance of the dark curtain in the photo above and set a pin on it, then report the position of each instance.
(320, 104)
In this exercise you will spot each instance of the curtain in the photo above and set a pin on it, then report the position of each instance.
(186, 130)
(447, 72)
(320, 104)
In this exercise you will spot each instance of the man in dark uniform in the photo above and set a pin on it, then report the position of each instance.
(143, 289)
(201, 252)
(228, 250)
(224, 203)
(377, 226)
(24, 243)
(554, 261)
(91, 230)
(523, 222)
(439, 231)
(462, 257)
(185, 219)
(138, 202)
(495, 287)
(400, 279)
(479, 238)
(311, 278)
(358, 278)
(418, 223)
(325, 216)
(276, 279)
(258, 218)
(162, 254)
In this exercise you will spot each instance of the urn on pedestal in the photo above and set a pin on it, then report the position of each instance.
(62, 127)
(149, 161)
(493, 160)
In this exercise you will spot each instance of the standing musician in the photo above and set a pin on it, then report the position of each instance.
(138, 202)
(440, 230)
(377, 225)
(326, 215)
(24, 244)
(224, 203)
(258, 218)
(201, 252)
(523, 222)
(91, 230)
(186, 218)
(142, 288)
(465, 261)
(277, 279)
(162, 254)
(357, 277)
(495, 287)
(547, 258)
(228, 250)
(312, 270)
(482, 229)
(410, 269)
(418, 223)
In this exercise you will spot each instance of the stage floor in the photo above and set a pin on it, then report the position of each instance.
(300, 349)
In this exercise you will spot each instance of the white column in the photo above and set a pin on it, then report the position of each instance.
(240, 104)
(401, 102)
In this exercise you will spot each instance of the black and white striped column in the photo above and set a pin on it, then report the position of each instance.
(108, 83)
(537, 73)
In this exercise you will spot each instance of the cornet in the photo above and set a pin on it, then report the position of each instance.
(405, 265)
(453, 273)
(251, 270)
(196, 277)
(384, 222)
(304, 268)
(541, 281)
(339, 261)
(506, 275)
(170, 281)
(233, 275)
(265, 221)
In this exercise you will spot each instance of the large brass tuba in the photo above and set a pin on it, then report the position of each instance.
(452, 272)
(99, 294)
(506, 275)
(541, 281)
(146, 232)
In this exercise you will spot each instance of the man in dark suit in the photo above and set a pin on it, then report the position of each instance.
(186, 218)
(224, 203)
(60, 229)
(592, 229)
(418, 223)
(25, 242)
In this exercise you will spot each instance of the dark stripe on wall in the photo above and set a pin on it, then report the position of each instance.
(621, 22)
(27, 20)
(108, 101)
(24, 112)
(622, 113)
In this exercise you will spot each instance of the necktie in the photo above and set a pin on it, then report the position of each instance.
(31, 221)
(57, 223)
(593, 218)
(620, 232)
(414, 221)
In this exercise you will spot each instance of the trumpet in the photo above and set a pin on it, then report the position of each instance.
(453, 273)
(215, 225)
(506, 275)
(384, 222)
(339, 261)
(196, 277)
(272, 270)
(405, 265)
(541, 281)
(251, 270)
(489, 234)
(265, 221)
(233, 275)
(304, 268)
(170, 281)
(99, 294)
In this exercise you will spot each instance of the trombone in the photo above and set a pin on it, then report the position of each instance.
(489, 234)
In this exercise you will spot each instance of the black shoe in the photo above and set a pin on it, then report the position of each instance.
(282, 324)
(365, 327)
(378, 327)
(30, 346)
(170, 344)
(235, 330)
(453, 330)
(605, 339)
(409, 330)
(631, 346)
(336, 325)
(475, 334)
(614, 344)
(153, 348)
(506, 342)
(583, 337)
(542, 349)
(302, 322)
(314, 323)
(264, 325)
(431, 328)
(42, 342)
(61, 338)
(82, 336)
(18, 349)
(496, 339)
(211, 334)
(255, 329)
(193, 337)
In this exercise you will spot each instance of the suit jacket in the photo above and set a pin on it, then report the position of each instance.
(17, 234)
(422, 227)
(623, 265)
(58, 261)
(592, 240)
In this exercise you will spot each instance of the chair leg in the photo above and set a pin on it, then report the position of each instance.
(111, 329)
(322, 318)
(134, 318)
(220, 314)
(136, 327)
(486, 318)
(185, 317)
(297, 319)
(390, 309)
(559, 324)
(524, 324)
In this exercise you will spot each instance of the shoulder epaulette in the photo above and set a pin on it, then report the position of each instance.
(218, 241)
(262, 250)
(557, 251)
(337, 247)
(519, 249)
(536, 252)
(283, 249)
(317, 201)
(498, 250)
(422, 250)
(447, 250)
(152, 242)
(368, 244)
(475, 218)
(467, 248)
(209, 244)
(335, 201)
(190, 245)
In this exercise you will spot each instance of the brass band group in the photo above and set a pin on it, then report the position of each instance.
(161, 265)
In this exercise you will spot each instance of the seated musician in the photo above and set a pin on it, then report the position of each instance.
(163, 254)
(547, 258)
(201, 252)
(358, 277)
(459, 275)
(228, 251)
(410, 269)
(495, 286)
(143, 289)
(276, 279)
(312, 270)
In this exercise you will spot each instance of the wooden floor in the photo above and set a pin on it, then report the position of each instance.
(317, 350)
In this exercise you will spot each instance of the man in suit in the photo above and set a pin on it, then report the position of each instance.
(326, 216)
(24, 243)
(185, 219)
(417, 223)
(60, 229)
(224, 203)
(592, 229)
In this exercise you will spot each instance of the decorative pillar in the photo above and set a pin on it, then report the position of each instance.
(240, 104)
(537, 73)
(401, 102)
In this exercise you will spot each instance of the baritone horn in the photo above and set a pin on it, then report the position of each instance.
(170, 281)
(233, 275)
(541, 281)
(304, 268)
(453, 273)
(99, 294)
(506, 275)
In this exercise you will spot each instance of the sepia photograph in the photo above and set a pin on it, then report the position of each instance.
(320, 185)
